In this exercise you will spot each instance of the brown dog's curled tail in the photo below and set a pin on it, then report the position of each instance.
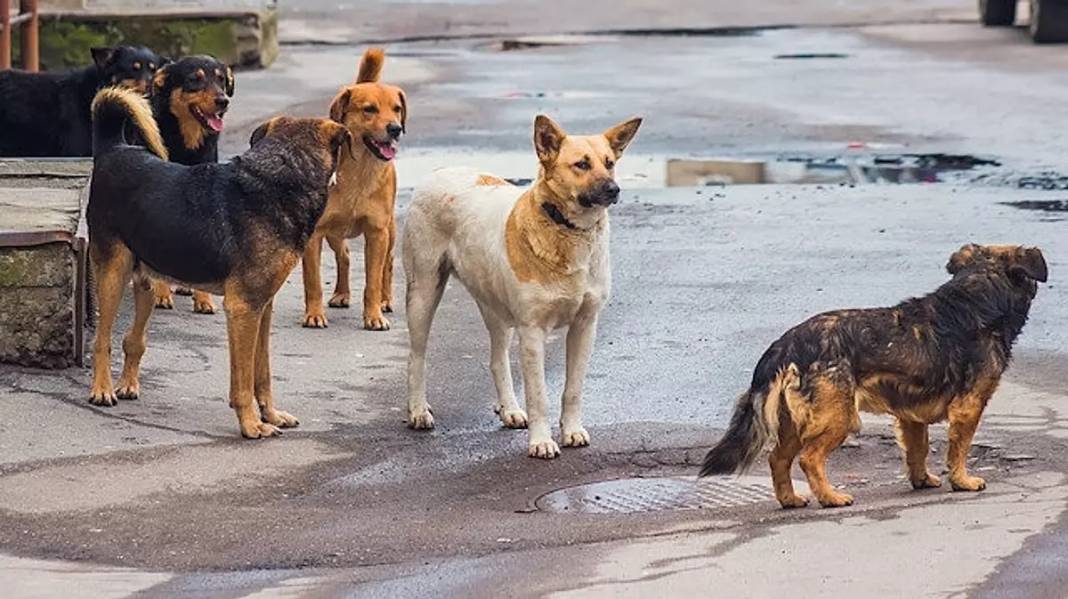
(755, 421)
(112, 108)
(371, 65)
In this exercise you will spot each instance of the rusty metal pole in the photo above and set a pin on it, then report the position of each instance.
(5, 34)
(30, 49)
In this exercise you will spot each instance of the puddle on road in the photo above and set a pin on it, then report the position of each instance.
(1055, 210)
(611, 35)
(656, 171)
(533, 42)
(805, 169)
(1048, 181)
(634, 495)
(1044, 180)
(810, 55)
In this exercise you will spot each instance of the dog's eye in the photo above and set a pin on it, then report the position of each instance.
(609, 164)
(152, 66)
(370, 109)
(137, 66)
(583, 165)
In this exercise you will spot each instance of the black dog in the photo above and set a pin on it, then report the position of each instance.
(47, 114)
(928, 359)
(189, 99)
(236, 229)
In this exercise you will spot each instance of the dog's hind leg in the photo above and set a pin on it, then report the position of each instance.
(374, 254)
(164, 298)
(387, 269)
(112, 268)
(342, 297)
(580, 337)
(426, 284)
(133, 346)
(964, 414)
(507, 408)
(243, 321)
(202, 303)
(814, 454)
(781, 460)
(831, 420)
(314, 316)
(532, 356)
(913, 439)
(264, 398)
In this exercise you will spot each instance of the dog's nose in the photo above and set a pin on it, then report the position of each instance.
(609, 192)
(394, 130)
(221, 102)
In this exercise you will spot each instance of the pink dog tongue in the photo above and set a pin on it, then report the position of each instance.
(216, 123)
(388, 150)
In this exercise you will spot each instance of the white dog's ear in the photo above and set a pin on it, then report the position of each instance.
(548, 136)
(620, 136)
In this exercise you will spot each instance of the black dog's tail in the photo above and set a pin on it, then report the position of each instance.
(113, 107)
(754, 422)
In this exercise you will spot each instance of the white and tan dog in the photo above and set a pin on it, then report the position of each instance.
(534, 260)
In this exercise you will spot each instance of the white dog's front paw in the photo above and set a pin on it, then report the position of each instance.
(574, 437)
(513, 418)
(421, 419)
(545, 449)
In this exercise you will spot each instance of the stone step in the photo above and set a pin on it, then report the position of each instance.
(43, 264)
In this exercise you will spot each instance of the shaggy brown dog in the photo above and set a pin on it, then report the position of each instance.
(362, 201)
(934, 358)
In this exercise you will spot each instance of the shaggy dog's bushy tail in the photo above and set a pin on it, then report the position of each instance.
(113, 108)
(755, 421)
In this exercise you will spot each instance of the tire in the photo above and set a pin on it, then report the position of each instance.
(997, 13)
(1049, 21)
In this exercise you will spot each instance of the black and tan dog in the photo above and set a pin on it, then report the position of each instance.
(235, 229)
(47, 114)
(934, 358)
(189, 99)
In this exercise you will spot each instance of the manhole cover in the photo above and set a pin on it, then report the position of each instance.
(630, 495)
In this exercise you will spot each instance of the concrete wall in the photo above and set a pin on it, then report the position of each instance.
(242, 33)
(147, 5)
(42, 276)
(38, 320)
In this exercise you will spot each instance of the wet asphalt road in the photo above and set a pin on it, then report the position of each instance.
(888, 89)
(691, 311)
(354, 503)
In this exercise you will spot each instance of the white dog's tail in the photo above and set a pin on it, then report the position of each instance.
(456, 180)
